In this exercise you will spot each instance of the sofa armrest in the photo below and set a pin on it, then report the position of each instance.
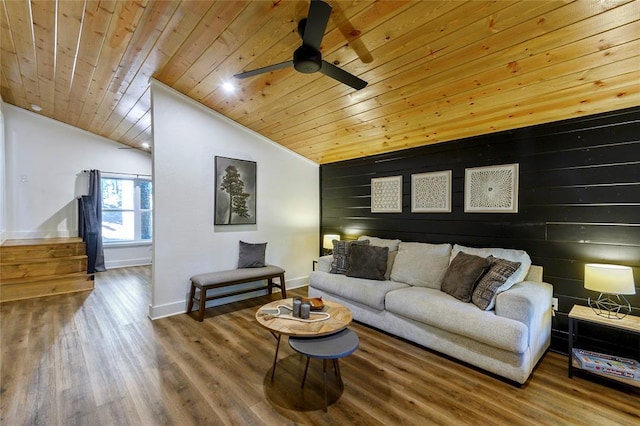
(324, 263)
(530, 303)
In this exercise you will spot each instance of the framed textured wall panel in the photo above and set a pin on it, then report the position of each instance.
(431, 192)
(386, 195)
(491, 189)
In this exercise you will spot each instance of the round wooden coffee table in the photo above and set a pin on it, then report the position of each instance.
(340, 318)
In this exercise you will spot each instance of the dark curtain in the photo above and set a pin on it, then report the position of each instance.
(90, 221)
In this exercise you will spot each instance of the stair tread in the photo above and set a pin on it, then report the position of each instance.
(27, 280)
(40, 241)
(43, 260)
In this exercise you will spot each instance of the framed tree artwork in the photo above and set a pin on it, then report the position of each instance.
(492, 189)
(431, 192)
(235, 191)
(386, 195)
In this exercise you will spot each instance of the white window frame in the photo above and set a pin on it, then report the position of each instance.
(137, 210)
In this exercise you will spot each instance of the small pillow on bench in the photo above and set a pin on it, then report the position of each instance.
(252, 255)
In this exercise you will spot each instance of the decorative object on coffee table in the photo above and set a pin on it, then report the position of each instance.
(613, 282)
(386, 195)
(492, 189)
(431, 192)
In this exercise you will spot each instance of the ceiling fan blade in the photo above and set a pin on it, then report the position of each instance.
(263, 70)
(342, 76)
(316, 23)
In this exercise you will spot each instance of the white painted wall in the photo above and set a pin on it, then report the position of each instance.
(44, 160)
(3, 203)
(187, 137)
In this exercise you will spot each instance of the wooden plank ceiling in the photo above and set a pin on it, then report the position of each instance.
(437, 70)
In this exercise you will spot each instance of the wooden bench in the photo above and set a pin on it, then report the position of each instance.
(211, 280)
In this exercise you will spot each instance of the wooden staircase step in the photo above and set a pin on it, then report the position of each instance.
(12, 250)
(43, 267)
(44, 286)
(29, 280)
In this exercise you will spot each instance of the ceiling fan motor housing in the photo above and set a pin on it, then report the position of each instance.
(307, 60)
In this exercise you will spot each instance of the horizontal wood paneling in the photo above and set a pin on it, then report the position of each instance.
(579, 199)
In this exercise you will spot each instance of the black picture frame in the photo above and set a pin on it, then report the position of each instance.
(235, 191)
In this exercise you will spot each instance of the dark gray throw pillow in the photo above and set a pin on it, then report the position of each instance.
(340, 262)
(368, 262)
(462, 275)
(252, 255)
(484, 296)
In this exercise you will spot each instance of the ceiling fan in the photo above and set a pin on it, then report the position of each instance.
(307, 58)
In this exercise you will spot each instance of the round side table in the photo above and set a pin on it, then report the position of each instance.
(331, 347)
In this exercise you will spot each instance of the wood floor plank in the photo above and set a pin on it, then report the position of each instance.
(96, 358)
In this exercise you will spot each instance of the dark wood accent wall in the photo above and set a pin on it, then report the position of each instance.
(579, 200)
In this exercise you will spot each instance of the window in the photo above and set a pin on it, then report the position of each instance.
(127, 205)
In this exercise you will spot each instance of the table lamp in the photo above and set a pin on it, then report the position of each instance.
(613, 282)
(327, 242)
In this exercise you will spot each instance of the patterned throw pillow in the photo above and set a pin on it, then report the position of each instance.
(340, 262)
(369, 262)
(484, 296)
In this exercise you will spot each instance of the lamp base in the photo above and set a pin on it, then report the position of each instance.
(606, 306)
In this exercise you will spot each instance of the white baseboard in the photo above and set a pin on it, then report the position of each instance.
(180, 307)
(126, 263)
(167, 310)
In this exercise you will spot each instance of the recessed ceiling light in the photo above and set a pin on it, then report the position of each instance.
(36, 108)
(228, 87)
(145, 145)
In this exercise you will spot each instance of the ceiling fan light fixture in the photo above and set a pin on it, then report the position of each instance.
(228, 87)
(307, 59)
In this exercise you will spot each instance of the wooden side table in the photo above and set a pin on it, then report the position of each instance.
(583, 314)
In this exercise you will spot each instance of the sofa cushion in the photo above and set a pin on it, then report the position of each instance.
(464, 271)
(340, 262)
(381, 242)
(484, 296)
(421, 264)
(438, 309)
(508, 254)
(367, 262)
(366, 292)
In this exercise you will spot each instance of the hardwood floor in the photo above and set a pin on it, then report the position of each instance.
(96, 359)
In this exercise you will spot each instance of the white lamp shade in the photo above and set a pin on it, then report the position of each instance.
(327, 241)
(612, 279)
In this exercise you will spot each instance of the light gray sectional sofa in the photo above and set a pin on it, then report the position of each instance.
(506, 338)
